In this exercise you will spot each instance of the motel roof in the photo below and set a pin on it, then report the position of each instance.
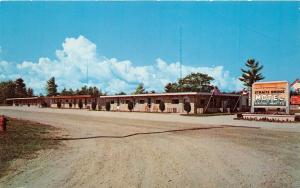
(53, 97)
(70, 97)
(167, 94)
(27, 98)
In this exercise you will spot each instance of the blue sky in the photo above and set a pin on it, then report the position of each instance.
(217, 38)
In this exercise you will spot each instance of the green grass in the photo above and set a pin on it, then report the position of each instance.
(22, 140)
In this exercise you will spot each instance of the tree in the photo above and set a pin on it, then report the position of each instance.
(7, 90)
(252, 74)
(30, 92)
(80, 104)
(58, 104)
(130, 106)
(51, 87)
(194, 82)
(187, 107)
(20, 88)
(107, 106)
(121, 93)
(94, 105)
(140, 89)
(162, 106)
(171, 87)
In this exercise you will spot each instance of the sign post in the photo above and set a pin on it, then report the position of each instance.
(271, 95)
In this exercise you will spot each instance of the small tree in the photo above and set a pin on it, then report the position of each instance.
(58, 104)
(130, 106)
(80, 104)
(162, 106)
(94, 105)
(187, 107)
(70, 105)
(139, 89)
(107, 106)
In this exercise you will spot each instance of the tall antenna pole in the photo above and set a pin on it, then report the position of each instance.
(180, 51)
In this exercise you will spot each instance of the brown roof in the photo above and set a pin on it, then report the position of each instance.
(71, 97)
(167, 94)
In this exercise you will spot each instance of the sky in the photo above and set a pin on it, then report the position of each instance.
(116, 45)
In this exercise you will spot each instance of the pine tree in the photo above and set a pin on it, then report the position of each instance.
(252, 74)
(51, 87)
(20, 88)
(30, 92)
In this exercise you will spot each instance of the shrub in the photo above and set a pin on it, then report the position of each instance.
(187, 107)
(70, 105)
(28, 104)
(130, 106)
(94, 105)
(107, 106)
(162, 106)
(297, 118)
(44, 104)
(58, 104)
(80, 105)
(239, 116)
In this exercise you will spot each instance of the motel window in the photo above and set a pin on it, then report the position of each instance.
(175, 101)
(142, 101)
(67, 100)
(157, 101)
(112, 102)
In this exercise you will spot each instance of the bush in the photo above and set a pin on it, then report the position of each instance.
(239, 116)
(58, 104)
(162, 106)
(70, 105)
(80, 105)
(44, 104)
(94, 105)
(130, 106)
(107, 106)
(297, 118)
(187, 107)
(28, 104)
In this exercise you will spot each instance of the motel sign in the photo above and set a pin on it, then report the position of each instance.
(270, 95)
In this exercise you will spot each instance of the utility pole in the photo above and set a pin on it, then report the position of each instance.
(87, 73)
(180, 51)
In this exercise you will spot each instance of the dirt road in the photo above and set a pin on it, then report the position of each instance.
(106, 149)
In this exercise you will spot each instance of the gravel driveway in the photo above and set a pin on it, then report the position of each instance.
(114, 149)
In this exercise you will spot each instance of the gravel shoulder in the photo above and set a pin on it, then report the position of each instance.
(159, 150)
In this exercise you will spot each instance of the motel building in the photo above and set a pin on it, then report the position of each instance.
(201, 102)
(174, 102)
(55, 101)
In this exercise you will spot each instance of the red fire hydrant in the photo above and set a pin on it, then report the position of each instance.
(3, 121)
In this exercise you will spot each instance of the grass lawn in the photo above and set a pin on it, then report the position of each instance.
(22, 140)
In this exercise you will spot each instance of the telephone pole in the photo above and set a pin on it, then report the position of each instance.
(180, 51)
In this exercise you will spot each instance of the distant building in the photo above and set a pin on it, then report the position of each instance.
(296, 86)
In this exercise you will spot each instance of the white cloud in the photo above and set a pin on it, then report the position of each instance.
(110, 74)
